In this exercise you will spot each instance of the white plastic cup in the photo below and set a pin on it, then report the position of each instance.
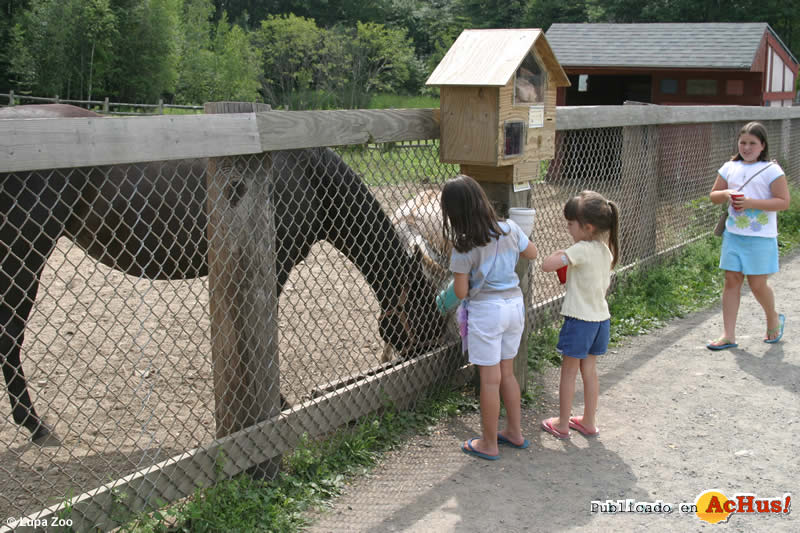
(523, 216)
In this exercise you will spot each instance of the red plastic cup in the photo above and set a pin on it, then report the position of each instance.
(735, 195)
(562, 274)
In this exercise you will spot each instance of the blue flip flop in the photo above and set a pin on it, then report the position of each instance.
(716, 347)
(782, 323)
(501, 439)
(469, 450)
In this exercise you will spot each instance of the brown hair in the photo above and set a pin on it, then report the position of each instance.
(469, 219)
(590, 207)
(759, 131)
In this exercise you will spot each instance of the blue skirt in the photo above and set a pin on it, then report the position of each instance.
(751, 256)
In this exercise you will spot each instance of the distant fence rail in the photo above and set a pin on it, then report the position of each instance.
(142, 374)
(101, 106)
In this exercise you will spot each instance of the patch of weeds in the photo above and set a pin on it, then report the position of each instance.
(645, 299)
(789, 224)
(457, 403)
(533, 397)
(542, 348)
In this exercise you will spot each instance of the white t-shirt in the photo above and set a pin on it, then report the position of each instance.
(588, 277)
(752, 222)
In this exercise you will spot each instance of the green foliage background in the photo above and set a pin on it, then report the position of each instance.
(298, 54)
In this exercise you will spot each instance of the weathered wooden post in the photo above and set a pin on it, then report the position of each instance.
(498, 121)
(243, 298)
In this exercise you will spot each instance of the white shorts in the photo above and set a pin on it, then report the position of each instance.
(495, 329)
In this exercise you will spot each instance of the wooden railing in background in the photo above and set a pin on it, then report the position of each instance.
(101, 106)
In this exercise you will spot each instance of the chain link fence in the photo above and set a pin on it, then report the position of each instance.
(161, 334)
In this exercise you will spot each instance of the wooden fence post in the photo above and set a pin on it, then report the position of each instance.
(243, 300)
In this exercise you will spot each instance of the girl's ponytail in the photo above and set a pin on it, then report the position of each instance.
(613, 232)
(590, 207)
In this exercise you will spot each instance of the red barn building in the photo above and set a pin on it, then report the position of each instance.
(674, 64)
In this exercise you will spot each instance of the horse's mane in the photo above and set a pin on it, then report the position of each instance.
(356, 224)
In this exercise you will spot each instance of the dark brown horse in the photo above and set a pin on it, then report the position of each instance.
(149, 220)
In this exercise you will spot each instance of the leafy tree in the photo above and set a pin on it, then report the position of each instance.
(292, 50)
(21, 70)
(216, 63)
(235, 69)
(327, 13)
(379, 59)
(543, 13)
(9, 11)
(146, 52)
(431, 24)
(65, 45)
(98, 27)
(245, 13)
(194, 54)
(490, 13)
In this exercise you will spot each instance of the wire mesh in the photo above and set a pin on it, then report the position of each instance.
(119, 353)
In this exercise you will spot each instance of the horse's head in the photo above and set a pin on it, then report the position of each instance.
(411, 323)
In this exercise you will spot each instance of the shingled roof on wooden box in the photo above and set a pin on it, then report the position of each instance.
(490, 58)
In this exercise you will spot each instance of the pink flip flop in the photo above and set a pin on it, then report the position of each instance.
(577, 426)
(547, 425)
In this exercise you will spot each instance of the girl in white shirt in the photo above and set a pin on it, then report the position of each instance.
(591, 221)
(750, 241)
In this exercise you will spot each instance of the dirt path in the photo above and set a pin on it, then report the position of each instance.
(676, 420)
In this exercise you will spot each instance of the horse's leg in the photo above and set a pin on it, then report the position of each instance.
(12, 327)
(35, 208)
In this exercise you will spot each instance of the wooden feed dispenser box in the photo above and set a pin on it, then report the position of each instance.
(498, 103)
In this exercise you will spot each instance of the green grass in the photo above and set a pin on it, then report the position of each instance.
(389, 164)
(316, 470)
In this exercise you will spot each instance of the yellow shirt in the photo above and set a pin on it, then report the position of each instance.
(588, 277)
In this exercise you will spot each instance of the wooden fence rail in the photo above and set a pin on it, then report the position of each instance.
(103, 105)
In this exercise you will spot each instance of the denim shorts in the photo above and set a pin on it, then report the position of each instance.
(579, 338)
(752, 256)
